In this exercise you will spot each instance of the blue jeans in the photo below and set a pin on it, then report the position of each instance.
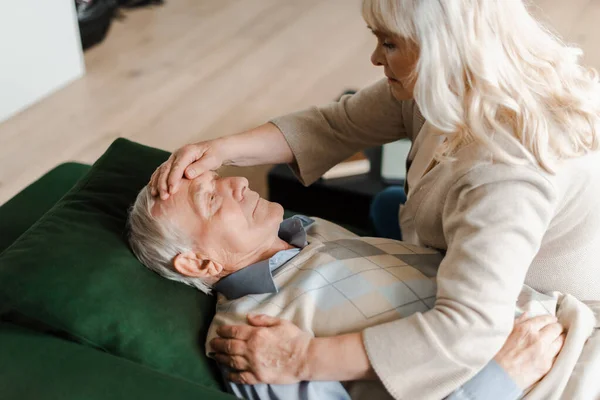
(384, 212)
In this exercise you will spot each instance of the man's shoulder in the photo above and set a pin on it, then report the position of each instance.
(327, 231)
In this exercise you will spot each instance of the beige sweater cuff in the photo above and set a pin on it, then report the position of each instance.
(407, 363)
(305, 168)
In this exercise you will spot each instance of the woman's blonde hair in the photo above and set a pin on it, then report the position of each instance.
(487, 67)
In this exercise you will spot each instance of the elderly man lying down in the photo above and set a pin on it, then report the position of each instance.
(217, 234)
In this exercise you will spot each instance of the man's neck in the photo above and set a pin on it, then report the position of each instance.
(275, 247)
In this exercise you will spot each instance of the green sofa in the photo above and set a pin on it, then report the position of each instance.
(80, 317)
(40, 356)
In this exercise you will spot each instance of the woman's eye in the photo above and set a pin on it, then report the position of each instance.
(389, 46)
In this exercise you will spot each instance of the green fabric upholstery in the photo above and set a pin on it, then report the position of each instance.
(38, 366)
(23, 210)
(73, 271)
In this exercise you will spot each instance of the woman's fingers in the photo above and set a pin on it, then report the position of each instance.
(155, 178)
(160, 179)
(152, 183)
(163, 188)
(522, 318)
(557, 345)
(206, 163)
(182, 159)
(528, 353)
(550, 332)
(166, 179)
(535, 324)
(232, 347)
(234, 362)
(189, 161)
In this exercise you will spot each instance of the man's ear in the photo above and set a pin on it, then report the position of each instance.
(195, 266)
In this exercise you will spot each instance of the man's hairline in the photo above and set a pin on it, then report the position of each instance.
(163, 224)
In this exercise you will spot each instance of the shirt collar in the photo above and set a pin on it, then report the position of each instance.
(257, 278)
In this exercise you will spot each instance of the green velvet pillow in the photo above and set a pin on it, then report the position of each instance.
(24, 209)
(73, 271)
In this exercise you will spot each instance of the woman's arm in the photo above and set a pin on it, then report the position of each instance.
(321, 137)
(344, 357)
(494, 220)
(526, 356)
(262, 145)
(311, 141)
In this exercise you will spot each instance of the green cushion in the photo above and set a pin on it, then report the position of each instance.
(73, 271)
(19, 213)
(38, 366)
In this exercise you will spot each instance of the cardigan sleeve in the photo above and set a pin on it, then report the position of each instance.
(494, 219)
(321, 137)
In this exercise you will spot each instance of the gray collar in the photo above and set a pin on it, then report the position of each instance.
(257, 278)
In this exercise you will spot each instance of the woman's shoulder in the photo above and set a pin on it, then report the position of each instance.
(476, 166)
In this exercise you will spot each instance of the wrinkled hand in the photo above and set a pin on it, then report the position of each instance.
(530, 350)
(191, 160)
(271, 350)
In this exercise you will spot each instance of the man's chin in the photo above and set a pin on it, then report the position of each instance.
(280, 210)
(276, 212)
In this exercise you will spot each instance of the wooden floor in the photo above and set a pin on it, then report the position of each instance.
(198, 69)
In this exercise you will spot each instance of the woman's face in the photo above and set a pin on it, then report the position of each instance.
(398, 57)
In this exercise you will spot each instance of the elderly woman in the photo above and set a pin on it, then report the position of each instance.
(504, 176)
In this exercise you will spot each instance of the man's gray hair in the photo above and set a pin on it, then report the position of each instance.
(157, 242)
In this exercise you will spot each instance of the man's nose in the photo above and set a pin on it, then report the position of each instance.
(240, 185)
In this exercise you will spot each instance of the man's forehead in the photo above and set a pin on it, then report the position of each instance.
(160, 206)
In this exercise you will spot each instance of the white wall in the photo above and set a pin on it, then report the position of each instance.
(40, 51)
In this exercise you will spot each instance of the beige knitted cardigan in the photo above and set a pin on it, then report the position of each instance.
(501, 225)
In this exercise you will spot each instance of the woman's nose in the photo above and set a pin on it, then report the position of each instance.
(376, 57)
